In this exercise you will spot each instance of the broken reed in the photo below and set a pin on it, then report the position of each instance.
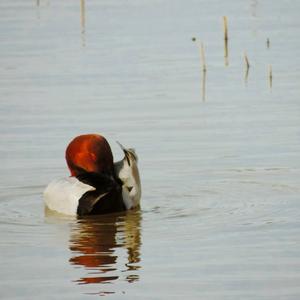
(203, 58)
(225, 23)
(200, 46)
(270, 76)
(246, 61)
(203, 72)
(82, 15)
(225, 27)
(247, 67)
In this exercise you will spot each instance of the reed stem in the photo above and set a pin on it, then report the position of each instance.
(246, 60)
(203, 57)
(270, 76)
(247, 67)
(225, 28)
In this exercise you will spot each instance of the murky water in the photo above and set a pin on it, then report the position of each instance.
(219, 160)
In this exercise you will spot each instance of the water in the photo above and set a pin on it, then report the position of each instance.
(220, 169)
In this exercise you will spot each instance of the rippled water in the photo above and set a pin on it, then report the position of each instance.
(219, 160)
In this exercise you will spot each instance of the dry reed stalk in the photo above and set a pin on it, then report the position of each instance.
(270, 76)
(203, 85)
(225, 28)
(203, 57)
(246, 60)
(82, 15)
(247, 67)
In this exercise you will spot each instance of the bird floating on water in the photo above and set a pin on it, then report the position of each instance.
(97, 185)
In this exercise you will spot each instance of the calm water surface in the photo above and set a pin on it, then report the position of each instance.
(220, 168)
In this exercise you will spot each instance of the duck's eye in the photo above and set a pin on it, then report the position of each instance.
(129, 188)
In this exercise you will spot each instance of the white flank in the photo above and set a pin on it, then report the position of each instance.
(127, 199)
(129, 175)
(62, 195)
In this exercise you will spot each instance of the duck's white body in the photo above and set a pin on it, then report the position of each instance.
(62, 195)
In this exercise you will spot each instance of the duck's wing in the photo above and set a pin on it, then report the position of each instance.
(106, 198)
(88, 201)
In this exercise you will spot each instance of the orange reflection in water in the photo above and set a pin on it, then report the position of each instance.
(94, 241)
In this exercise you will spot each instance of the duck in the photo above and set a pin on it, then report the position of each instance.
(96, 184)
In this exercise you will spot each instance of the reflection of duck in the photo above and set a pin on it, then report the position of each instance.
(94, 243)
(96, 185)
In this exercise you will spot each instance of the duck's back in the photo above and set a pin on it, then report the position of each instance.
(92, 194)
(62, 195)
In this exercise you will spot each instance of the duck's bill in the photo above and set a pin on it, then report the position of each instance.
(125, 152)
(121, 146)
